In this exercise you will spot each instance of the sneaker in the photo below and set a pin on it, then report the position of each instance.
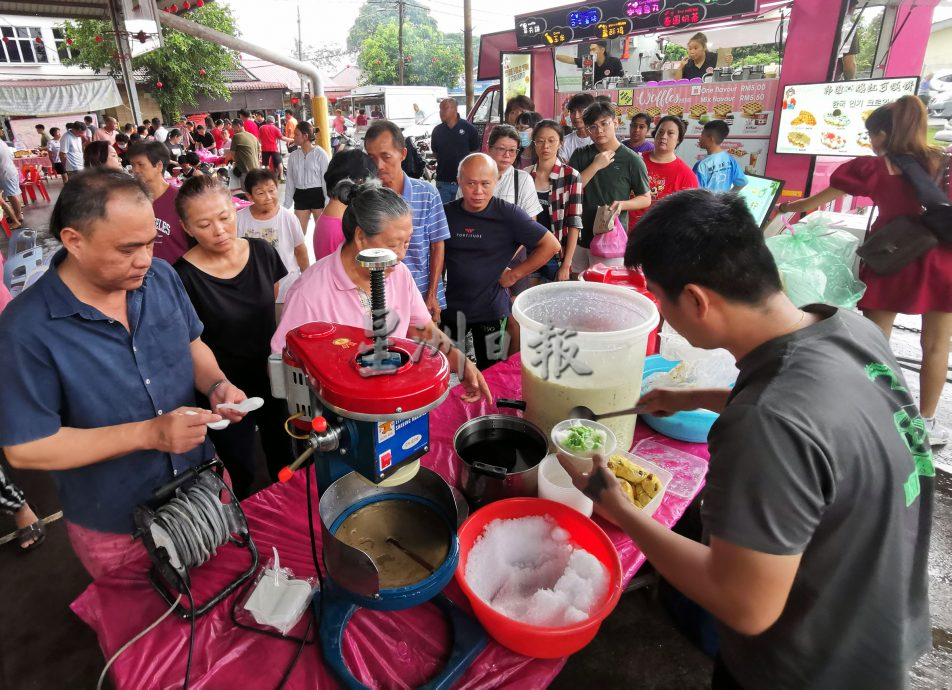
(938, 435)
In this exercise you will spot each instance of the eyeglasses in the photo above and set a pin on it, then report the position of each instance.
(505, 152)
(604, 124)
(543, 142)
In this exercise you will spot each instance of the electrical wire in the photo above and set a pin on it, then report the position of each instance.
(139, 636)
(297, 655)
(288, 429)
(191, 632)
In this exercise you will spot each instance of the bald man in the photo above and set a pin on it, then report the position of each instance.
(485, 232)
(452, 140)
(108, 131)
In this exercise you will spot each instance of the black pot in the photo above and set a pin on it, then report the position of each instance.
(499, 456)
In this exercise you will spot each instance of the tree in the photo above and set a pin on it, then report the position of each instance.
(329, 57)
(428, 58)
(375, 13)
(184, 65)
(869, 29)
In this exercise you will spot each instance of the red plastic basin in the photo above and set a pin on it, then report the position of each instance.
(534, 640)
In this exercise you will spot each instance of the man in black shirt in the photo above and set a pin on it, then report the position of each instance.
(452, 140)
(605, 64)
(819, 498)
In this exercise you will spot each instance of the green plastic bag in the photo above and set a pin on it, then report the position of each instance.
(815, 259)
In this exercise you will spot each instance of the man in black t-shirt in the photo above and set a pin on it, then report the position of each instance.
(485, 232)
(819, 498)
(452, 140)
(605, 64)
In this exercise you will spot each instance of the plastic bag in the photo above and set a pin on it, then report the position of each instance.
(610, 245)
(815, 260)
(698, 368)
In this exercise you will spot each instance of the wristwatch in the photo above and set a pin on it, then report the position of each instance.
(214, 387)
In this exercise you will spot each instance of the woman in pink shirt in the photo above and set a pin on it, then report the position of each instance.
(352, 165)
(337, 290)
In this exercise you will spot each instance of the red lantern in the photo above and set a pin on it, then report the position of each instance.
(98, 39)
(433, 60)
(202, 72)
(6, 39)
(295, 100)
(69, 41)
(199, 3)
(38, 39)
(186, 5)
(141, 36)
(173, 8)
(158, 84)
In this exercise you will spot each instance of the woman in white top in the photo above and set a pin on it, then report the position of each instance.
(266, 220)
(305, 183)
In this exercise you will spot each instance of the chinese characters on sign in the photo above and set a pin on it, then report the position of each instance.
(530, 27)
(642, 8)
(681, 16)
(614, 29)
(555, 36)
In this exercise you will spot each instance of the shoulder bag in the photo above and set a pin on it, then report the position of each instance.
(906, 238)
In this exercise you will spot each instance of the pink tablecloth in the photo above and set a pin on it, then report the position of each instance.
(384, 650)
(38, 161)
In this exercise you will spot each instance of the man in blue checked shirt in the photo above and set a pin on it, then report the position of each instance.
(385, 144)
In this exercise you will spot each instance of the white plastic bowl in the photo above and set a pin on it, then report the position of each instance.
(607, 449)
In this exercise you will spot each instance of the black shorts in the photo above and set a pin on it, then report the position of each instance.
(59, 167)
(306, 199)
(274, 156)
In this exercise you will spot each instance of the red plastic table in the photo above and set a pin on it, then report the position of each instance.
(384, 650)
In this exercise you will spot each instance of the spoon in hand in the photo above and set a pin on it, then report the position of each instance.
(582, 412)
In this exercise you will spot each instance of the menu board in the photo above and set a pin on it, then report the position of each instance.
(746, 106)
(760, 194)
(604, 19)
(829, 119)
(516, 72)
(751, 154)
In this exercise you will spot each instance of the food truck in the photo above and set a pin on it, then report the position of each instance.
(795, 120)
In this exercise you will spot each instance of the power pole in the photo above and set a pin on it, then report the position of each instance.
(468, 75)
(400, 4)
(300, 55)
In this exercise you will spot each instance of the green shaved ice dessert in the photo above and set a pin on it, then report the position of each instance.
(582, 439)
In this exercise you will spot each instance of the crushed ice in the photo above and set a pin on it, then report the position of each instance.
(527, 570)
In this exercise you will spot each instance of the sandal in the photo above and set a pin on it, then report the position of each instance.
(35, 532)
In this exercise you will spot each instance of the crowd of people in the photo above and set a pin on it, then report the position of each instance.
(175, 300)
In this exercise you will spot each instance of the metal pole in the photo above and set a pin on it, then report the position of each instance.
(468, 52)
(400, 4)
(318, 100)
(125, 59)
(301, 58)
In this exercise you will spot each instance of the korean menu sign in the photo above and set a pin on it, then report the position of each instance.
(829, 119)
(607, 19)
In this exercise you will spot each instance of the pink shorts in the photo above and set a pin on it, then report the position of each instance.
(102, 552)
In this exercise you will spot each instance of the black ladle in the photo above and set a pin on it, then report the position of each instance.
(582, 412)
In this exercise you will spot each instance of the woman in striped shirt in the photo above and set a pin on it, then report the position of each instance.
(560, 192)
(305, 183)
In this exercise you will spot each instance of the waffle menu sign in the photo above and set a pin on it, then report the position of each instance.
(615, 18)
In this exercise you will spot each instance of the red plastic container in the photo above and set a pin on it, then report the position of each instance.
(534, 640)
(629, 278)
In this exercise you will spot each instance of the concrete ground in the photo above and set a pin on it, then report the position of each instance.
(45, 647)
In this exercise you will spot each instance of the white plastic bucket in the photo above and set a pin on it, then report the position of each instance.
(609, 325)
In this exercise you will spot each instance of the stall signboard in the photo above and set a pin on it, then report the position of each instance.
(829, 119)
(516, 72)
(747, 107)
(605, 19)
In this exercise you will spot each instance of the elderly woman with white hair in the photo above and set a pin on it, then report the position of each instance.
(485, 232)
(337, 289)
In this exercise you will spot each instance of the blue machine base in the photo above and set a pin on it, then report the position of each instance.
(335, 613)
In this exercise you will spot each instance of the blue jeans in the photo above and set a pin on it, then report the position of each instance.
(447, 191)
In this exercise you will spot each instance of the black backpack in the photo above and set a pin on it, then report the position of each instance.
(413, 165)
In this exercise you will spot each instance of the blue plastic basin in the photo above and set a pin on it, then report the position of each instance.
(692, 426)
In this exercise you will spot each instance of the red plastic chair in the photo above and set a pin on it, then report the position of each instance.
(35, 182)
